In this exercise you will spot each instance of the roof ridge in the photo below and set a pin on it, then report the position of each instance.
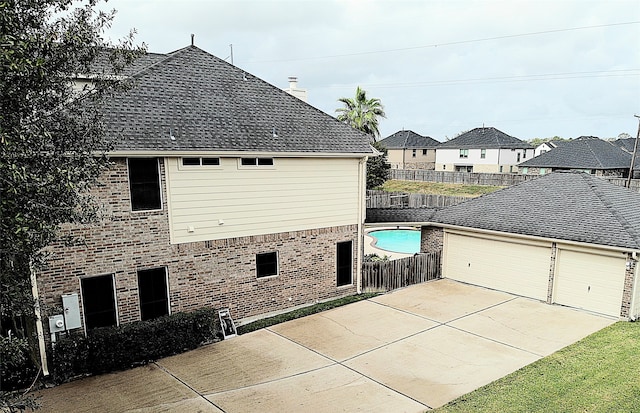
(595, 156)
(610, 206)
(168, 56)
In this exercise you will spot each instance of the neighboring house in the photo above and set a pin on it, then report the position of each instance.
(586, 153)
(409, 150)
(547, 146)
(223, 191)
(586, 257)
(627, 144)
(483, 149)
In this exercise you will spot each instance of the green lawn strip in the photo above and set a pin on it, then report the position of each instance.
(600, 373)
(302, 312)
(436, 188)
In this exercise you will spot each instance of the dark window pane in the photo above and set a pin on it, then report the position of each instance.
(267, 264)
(265, 161)
(344, 259)
(191, 161)
(210, 161)
(98, 301)
(248, 161)
(144, 183)
(152, 290)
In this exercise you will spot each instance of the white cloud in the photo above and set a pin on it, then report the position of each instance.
(275, 39)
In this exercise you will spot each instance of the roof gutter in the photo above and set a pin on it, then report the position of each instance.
(512, 235)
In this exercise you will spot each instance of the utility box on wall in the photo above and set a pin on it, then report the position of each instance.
(71, 311)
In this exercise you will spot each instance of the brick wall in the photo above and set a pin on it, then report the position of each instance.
(431, 239)
(219, 273)
(628, 287)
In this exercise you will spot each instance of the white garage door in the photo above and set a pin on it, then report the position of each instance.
(505, 265)
(590, 281)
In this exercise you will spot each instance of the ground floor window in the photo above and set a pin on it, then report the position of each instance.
(344, 260)
(98, 301)
(267, 264)
(153, 293)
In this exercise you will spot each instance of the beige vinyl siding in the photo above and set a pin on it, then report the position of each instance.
(590, 279)
(505, 264)
(232, 201)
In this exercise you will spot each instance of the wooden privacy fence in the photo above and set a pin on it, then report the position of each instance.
(467, 178)
(473, 178)
(382, 199)
(389, 275)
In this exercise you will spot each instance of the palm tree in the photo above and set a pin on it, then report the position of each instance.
(361, 113)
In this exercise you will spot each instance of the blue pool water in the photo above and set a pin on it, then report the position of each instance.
(406, 241)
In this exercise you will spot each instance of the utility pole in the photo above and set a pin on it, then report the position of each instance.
(633, 156)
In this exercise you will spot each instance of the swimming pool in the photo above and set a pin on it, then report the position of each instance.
(406, 241)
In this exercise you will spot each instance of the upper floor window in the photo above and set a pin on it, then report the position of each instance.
(483, 153)
(413, 153)
(200, 161)
(524, 154)
(518, 156)
(144, 184)
(424, 151)
(464, 153)
(256, 161)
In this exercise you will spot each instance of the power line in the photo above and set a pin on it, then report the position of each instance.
(485, 39)
(503, 79)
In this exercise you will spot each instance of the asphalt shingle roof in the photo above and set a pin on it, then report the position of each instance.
(585, 152)
(384, 215)
(584, 208)
(485, 138)
(627, 144)
(205, 103)
(406, 139)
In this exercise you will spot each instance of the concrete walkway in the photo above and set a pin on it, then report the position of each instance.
(407, 351)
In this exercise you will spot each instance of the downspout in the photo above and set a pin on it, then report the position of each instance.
(39, 330)
(362, 208)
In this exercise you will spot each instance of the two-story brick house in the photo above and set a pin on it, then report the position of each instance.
(223, 191)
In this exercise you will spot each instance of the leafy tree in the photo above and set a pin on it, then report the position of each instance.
(362, 113)
(377, 167)
(539, 141)
(52, 146)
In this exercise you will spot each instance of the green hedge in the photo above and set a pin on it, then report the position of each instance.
(17, 370)
(116, 348)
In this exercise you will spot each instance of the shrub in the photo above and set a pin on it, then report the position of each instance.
(16, 366)
(116, 348)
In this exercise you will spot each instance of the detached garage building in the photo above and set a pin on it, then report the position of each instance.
(565, 238)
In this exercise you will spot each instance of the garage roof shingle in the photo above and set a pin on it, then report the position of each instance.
(570, 206)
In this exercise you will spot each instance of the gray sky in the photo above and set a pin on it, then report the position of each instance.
(529, 68)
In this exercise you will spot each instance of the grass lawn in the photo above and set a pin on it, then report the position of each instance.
(600, 373)
(438, 188)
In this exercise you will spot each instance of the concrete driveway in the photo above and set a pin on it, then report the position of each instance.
(406, 351)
